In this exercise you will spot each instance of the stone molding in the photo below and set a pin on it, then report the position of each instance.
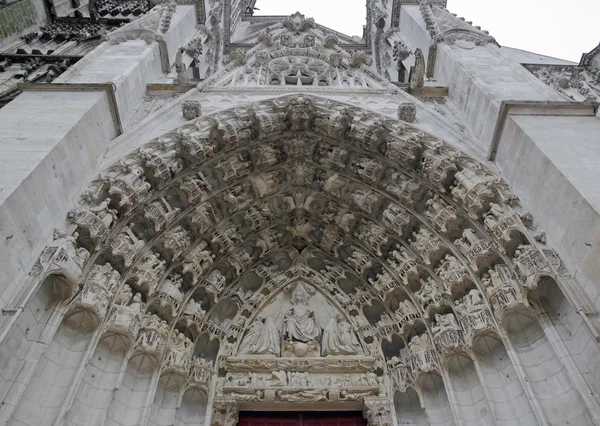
(108, 88)
(555, 108)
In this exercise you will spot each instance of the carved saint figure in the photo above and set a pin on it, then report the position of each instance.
(262, 338)
(300, 322)
(106, 214)
(338, 338)
(444, 322)
(136, 305)
(180, 68)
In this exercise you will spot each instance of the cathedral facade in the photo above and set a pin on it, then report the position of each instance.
(207, 213)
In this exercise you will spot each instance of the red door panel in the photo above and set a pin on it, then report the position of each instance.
(314, 418)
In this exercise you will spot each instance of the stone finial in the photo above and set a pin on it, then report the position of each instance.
(191, 110)
(407, 111)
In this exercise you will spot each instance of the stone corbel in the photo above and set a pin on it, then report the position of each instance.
(225, 412)
(377, 411)
(61, 257)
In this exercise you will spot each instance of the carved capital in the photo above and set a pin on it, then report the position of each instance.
(225, 412)
(377, 412)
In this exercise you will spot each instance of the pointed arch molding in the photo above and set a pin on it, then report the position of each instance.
(182, 241)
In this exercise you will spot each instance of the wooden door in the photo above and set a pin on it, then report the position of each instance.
(310, 418)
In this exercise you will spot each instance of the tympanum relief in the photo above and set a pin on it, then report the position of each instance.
(300, 323)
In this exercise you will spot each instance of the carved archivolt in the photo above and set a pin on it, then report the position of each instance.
(188, 237)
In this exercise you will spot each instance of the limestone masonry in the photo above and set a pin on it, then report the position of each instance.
(205, 211)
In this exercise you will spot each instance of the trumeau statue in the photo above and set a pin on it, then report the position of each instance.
(300, 324)
(262, 338)
(338, 338)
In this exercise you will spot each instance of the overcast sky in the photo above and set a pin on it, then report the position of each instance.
(559, 28)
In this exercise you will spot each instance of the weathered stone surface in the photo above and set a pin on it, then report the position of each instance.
(287, 234)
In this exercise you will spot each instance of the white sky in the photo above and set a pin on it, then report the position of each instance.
(559, 28)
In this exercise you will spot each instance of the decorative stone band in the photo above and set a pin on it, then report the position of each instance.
(313, 365)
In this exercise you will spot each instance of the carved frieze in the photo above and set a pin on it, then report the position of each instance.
(311, 365)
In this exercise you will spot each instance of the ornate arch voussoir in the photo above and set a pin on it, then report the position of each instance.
(191, 212)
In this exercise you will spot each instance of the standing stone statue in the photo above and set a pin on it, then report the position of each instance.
(338, 338)
(180, 68)
(262, 338)
(417, 76)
